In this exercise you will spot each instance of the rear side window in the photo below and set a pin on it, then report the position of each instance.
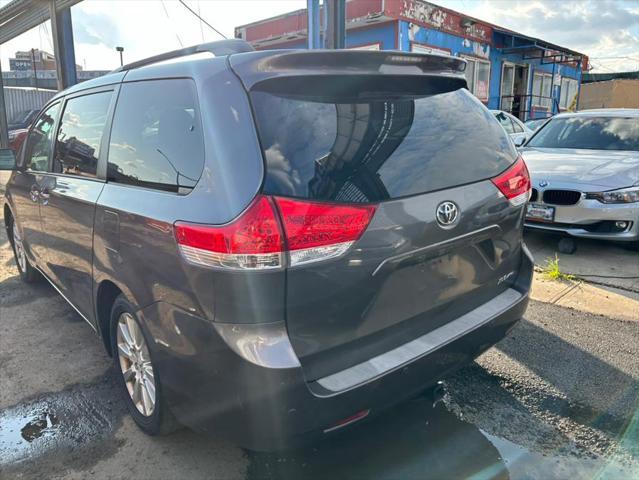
(156, 139)
(366, 145)
(505, 122)
(518, 128)
(81, 128)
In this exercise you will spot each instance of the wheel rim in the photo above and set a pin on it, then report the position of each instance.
(21, 256)
(135, 363)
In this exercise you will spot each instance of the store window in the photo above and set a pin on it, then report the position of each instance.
(478, 77)
(569, 88)
(542, 90)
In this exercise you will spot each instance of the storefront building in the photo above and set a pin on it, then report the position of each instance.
(506, 70)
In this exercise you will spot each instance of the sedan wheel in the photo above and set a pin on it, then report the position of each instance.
(135, 363)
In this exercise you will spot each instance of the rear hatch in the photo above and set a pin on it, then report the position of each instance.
(398, 162)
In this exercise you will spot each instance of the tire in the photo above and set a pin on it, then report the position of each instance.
(28, 274)
(567, 245)
(140, 385)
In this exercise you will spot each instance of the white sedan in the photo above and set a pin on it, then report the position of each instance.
(514, 127)
(584, 169)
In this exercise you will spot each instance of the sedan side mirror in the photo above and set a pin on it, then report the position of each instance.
(520, 141)
(7, 159)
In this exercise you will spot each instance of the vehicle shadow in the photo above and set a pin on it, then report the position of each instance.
(411, 441)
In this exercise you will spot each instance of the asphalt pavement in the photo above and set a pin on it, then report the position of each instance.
(558, 398)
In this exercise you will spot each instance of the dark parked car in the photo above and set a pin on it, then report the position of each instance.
(274, 245)
(23, 119)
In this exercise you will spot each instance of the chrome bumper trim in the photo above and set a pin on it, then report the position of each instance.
(421, 346)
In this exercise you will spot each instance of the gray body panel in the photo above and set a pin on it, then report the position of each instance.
(405, 277)
(67, 237)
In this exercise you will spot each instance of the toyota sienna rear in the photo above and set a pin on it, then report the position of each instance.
(274, 245)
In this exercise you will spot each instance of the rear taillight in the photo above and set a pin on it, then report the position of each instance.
(514, 183)
(305, 232)
(252, 241)
(318, 231)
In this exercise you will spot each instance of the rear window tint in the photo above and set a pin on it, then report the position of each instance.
(341, 148)
(156, 140)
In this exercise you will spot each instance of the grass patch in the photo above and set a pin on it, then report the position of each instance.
(552, 271)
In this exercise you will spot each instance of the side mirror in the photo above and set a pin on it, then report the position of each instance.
(520, 141)
(7, 159)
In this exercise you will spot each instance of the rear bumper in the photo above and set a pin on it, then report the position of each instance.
(213, 389)
(581, 220)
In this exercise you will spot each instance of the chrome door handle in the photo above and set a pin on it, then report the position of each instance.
(34, 193)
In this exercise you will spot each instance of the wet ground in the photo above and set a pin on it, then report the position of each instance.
(559, 398)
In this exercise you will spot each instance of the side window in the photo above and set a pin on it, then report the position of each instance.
(39, 141)
(77, 146)
(156, 139)
(517, 128)
(505, 122)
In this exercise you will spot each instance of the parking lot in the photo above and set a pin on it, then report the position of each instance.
(558, 398)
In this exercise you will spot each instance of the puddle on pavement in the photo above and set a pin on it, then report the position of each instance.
(41, 424)
(76, 418)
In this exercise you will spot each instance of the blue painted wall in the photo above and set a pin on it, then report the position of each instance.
(384, 33)
(399, 35)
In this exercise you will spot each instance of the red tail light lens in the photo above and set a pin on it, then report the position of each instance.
(252, 241)
(317, 231)
(310, 231)
(514, 183)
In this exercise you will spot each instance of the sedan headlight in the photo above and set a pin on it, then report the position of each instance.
(624, 195)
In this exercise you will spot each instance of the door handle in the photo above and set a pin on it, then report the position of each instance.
(44, 195)
(34, 193)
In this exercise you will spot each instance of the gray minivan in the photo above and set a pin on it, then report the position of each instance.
(274, 245)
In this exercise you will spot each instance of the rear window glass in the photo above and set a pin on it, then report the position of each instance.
(593, 133)
(353, 149)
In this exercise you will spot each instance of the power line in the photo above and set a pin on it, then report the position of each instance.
(46, 29)
(612, 58)
(199, 15)
(202, 20)
(169, 19)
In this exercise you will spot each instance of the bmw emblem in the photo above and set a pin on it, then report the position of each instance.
(543, 183)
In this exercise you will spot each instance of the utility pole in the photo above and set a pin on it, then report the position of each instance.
(120, 49)
(62, 35)
(336, 27)
(4, 134)
(33, 66)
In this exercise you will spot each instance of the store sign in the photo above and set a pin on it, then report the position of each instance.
(17, 64)
(417, 48)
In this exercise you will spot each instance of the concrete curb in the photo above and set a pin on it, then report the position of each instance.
(585, 297)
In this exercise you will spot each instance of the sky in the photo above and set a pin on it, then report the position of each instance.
(606, 30)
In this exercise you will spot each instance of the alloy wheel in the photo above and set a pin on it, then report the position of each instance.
(21, 256)
(135, 363)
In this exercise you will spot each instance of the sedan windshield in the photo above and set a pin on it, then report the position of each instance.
(592, 133)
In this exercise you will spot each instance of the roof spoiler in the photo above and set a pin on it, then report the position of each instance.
(257, 67)
(219, 49)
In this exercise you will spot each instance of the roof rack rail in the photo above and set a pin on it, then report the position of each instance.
(219, 49)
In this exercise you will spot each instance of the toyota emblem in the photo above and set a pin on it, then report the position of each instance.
(447, 214)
